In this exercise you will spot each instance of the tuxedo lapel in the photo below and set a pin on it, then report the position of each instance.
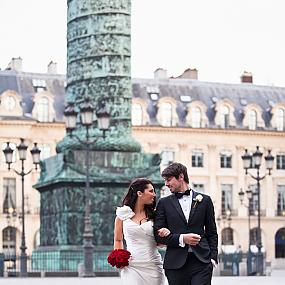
(193, 209)
(177, 207)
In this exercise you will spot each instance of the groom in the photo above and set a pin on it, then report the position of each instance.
(192, 243)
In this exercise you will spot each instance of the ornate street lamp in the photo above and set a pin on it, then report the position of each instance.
(22, 150)
(253, 161)
(249, 195)
(86, 119)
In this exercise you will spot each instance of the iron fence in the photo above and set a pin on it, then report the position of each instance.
(51, 264)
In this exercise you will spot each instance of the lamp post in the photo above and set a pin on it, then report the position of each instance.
(86, 116)
(249, 195)
(22, 150)
(253, 161)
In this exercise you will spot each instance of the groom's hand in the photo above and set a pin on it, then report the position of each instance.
(191, 238)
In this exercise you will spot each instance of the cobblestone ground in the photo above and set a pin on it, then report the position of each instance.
(268, 280)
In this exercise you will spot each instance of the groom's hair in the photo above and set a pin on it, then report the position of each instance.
(175, 169)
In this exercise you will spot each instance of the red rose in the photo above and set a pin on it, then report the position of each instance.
(119, 258)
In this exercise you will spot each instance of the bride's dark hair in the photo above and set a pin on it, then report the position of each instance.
(139, 184)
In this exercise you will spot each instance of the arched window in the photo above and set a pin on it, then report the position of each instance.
(252, 120)
(225, 117)
(43, 109)
(280, 119)
(137, 114)
(227, 236)
(196, 117)
(166, 114)
(280, 243)
(9, 242)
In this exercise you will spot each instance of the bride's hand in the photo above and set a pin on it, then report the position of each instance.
(163, 232)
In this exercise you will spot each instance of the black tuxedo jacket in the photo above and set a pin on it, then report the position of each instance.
(201, 221)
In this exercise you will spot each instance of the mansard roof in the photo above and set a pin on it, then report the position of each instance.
(209, 93)
(22, 83)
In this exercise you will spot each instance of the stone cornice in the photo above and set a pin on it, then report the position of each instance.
(32, 123)
(208, 131)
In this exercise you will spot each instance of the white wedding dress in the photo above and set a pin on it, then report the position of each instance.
(145, 265)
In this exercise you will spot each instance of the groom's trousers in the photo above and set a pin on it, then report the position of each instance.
(193, 272)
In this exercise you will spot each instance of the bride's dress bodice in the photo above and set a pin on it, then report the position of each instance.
(139, 238)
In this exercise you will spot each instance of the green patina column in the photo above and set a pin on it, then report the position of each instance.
(98, 66)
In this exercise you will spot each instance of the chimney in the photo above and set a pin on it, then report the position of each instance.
(246, 77)
(189, 74)
(160, 73)
(52, 68)
(15, 64)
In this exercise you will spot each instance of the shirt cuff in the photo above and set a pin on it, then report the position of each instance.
(181, 241)
(214, 263)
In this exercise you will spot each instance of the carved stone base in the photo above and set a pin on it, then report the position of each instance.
(62, 190)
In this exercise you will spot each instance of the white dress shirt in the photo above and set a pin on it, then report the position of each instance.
(185, 203)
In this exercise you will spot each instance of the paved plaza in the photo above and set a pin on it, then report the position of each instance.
(266, 280)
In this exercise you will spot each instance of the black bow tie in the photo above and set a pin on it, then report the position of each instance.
(180, 195)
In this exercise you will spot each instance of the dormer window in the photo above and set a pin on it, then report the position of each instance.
(153, 96)
(196, 117)
(39, 85)
(137, 114)
(252, 120)
(43, 109)
(225, 117)
(9, 103)
(280, 120)
(153, 92)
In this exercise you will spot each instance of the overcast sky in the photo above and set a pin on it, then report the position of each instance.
(221, 38)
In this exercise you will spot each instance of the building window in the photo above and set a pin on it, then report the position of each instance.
(43, 109)
(153, 96)
(166, 114)
(137, 115)
(252, 120)
(167, 157)
(9, 103)
(227, 198)
(253, 203)
(225, 159)
(39, 85)
(254, 236)
(280, 119)
(196, 117)
(9, 195)
(197, 158)
(9, 243)
(199, 187)
(225, 117)
(280, 161)
(227, 236)
(281, 200)
(45, 151)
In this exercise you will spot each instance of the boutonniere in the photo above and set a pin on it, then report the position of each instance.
(197, 199)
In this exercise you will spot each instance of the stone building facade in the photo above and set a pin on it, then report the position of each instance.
(204, 125)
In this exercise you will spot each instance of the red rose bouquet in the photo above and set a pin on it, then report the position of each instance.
(119, 258)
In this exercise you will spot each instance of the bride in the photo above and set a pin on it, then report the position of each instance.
(134, 222)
